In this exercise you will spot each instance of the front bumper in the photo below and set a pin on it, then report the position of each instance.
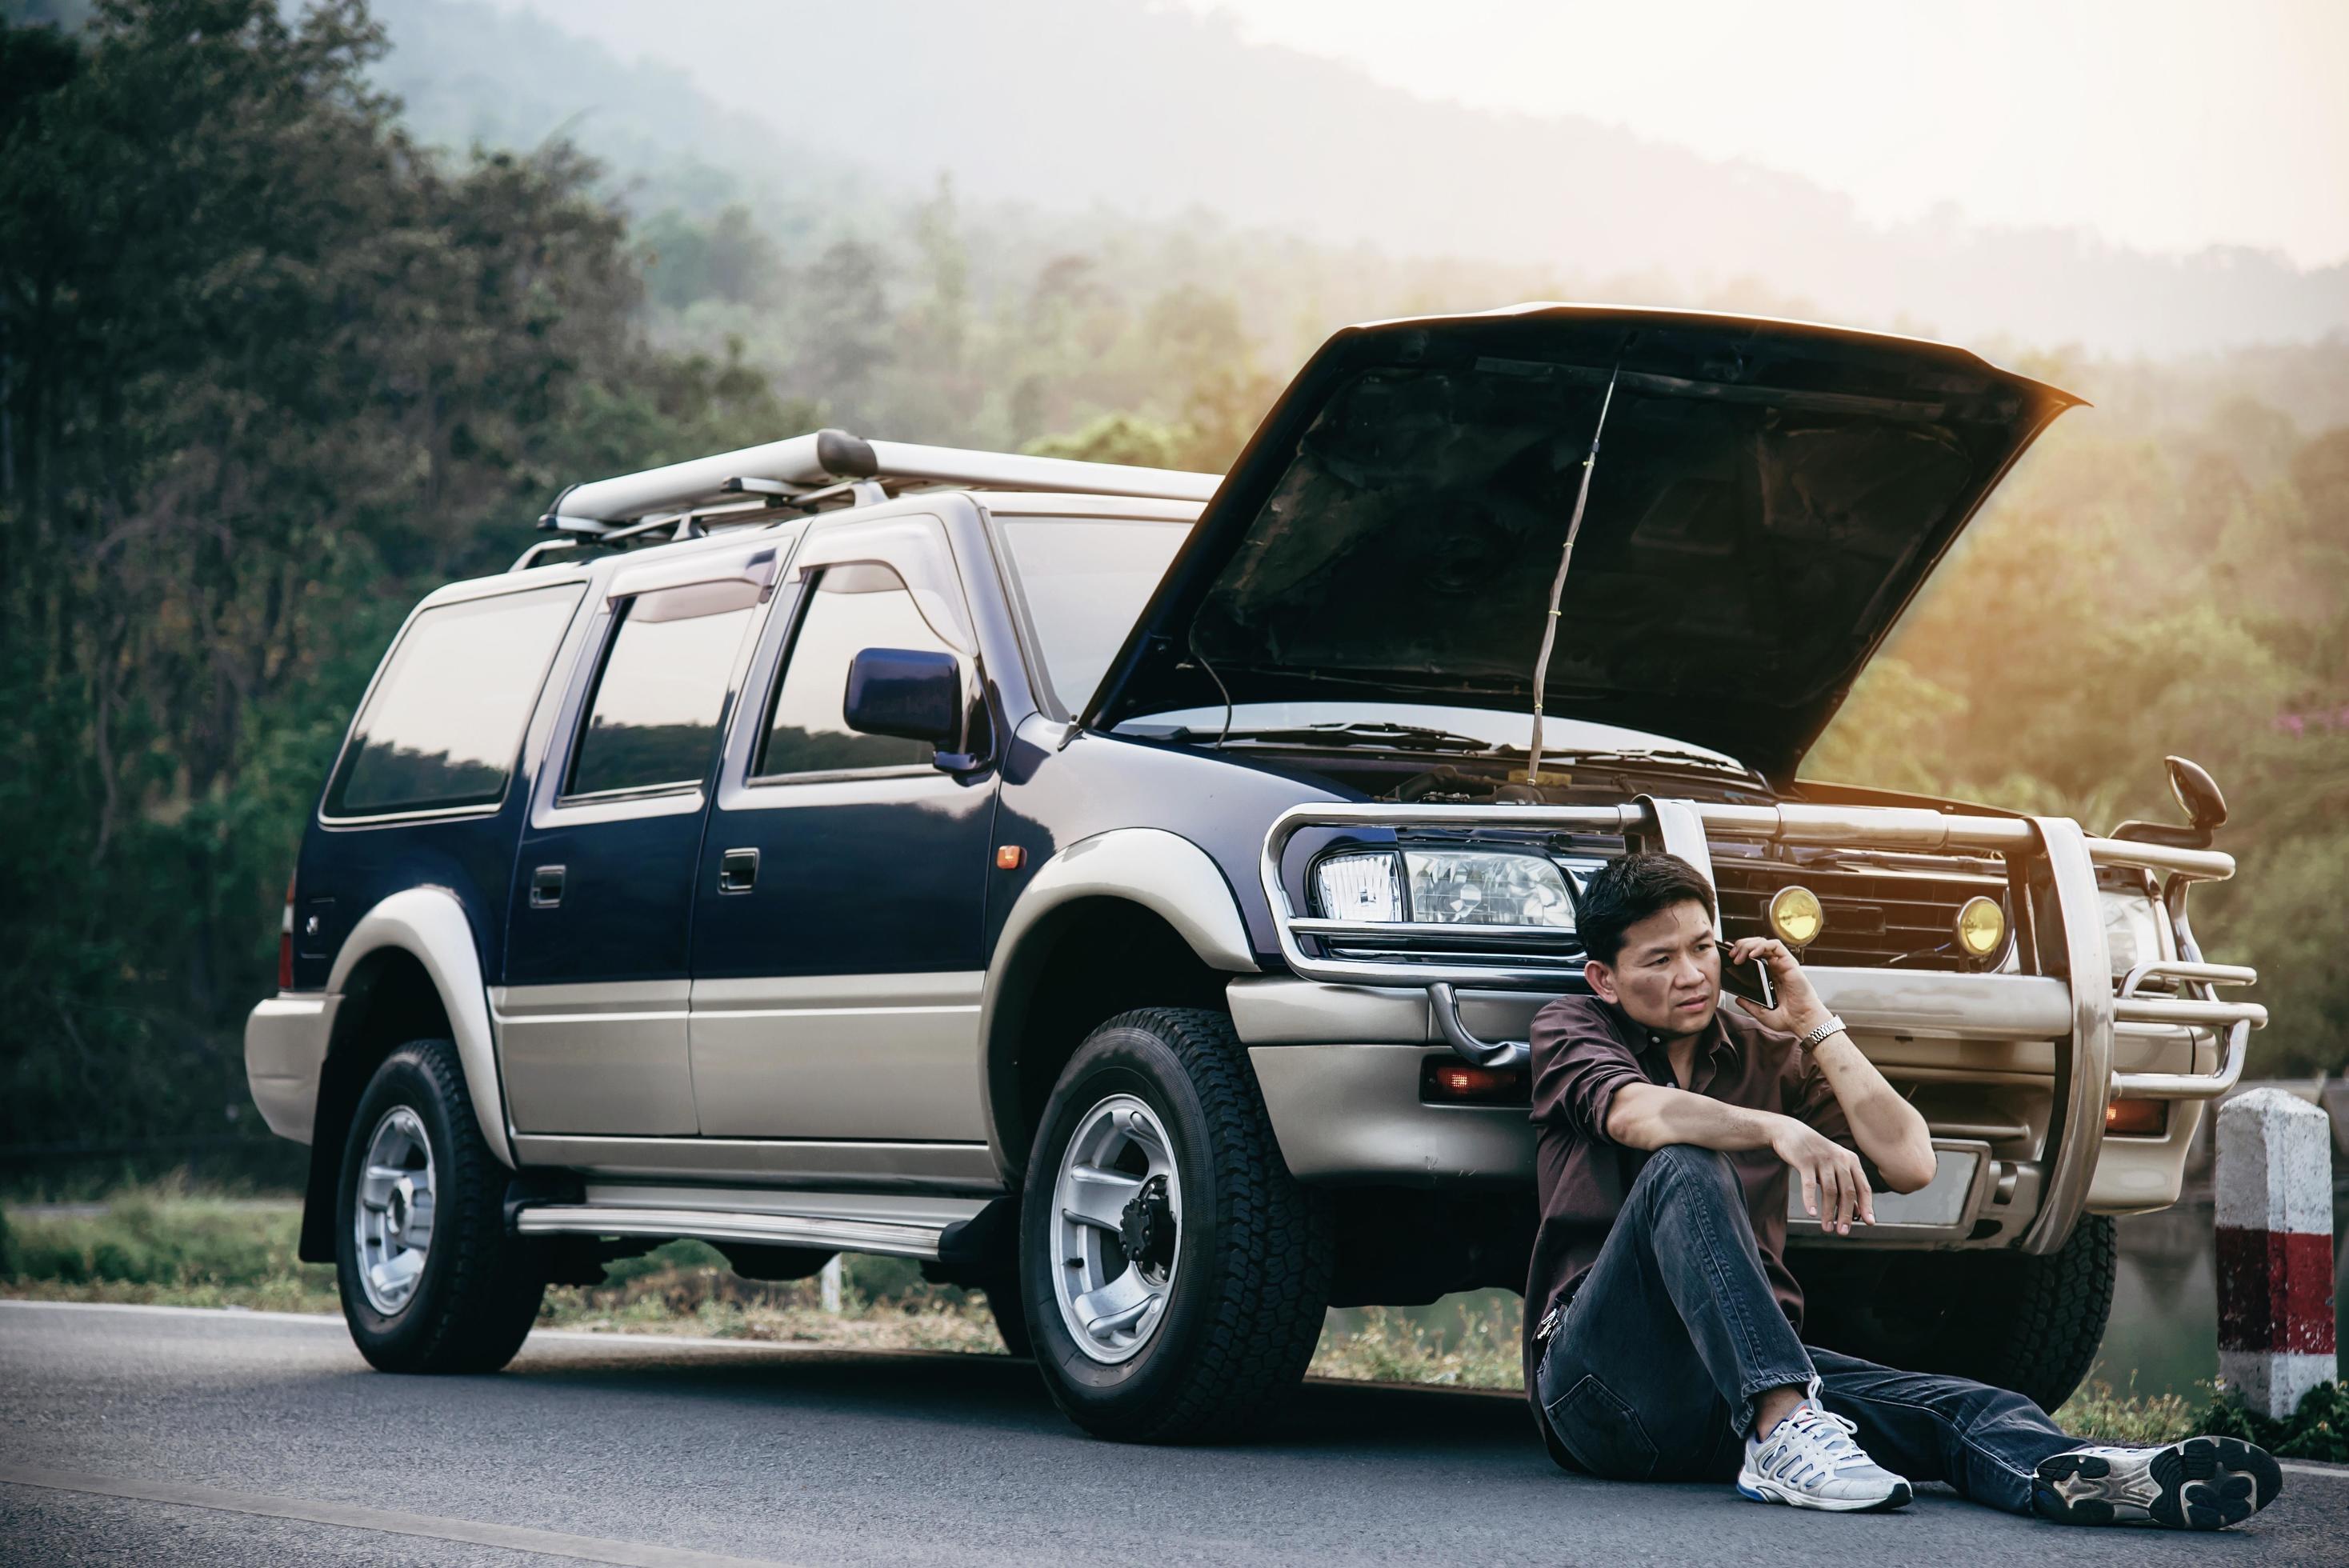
(2023, 1067)
(284, 1046)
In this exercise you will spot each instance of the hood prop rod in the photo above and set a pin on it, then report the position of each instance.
(1558, 584)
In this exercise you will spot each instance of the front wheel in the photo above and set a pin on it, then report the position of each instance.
(429, 1280)
(1175, 1275)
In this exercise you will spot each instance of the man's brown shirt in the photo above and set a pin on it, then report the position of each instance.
(1584, 1050)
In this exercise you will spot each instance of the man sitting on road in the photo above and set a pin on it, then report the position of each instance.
(1662, 1341)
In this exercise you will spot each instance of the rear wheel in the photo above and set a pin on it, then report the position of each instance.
(429, 1280)
(2032, 1324)
(1175, 1273)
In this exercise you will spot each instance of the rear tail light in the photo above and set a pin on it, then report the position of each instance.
(1448, 1080)
(285, 942)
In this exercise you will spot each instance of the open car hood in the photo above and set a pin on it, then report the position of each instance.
(1768, 496)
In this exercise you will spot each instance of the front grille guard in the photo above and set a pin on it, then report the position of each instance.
(2085, 1083)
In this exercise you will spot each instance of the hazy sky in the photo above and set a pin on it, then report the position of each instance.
(2165, 125)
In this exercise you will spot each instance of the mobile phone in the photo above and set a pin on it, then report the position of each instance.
(1749, 981)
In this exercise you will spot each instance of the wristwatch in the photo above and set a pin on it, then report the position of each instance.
(1832, 1026)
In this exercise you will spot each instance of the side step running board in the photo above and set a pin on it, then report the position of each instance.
(892, 1238)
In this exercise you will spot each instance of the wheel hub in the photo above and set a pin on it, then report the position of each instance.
(1145, 1229)
(1117, 1228)
(391, 1216)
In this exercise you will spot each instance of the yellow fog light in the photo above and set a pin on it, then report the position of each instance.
(1796, 917)
(1982, 927)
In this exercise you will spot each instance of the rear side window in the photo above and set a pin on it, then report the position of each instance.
(653, 721)
(445, 721)
(851, 609)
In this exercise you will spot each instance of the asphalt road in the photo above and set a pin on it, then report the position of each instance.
(142, 1435)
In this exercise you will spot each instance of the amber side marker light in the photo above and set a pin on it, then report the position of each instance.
(1447, 1080)
(2137, 1118)
(1009, 856)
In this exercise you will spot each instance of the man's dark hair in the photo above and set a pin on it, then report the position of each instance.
(1627, 890)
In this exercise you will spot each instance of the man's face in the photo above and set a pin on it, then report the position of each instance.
(1668, 976)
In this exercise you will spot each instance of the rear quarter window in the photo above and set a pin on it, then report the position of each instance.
(444, 723)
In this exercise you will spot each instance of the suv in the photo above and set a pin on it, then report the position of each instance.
(1127, 891)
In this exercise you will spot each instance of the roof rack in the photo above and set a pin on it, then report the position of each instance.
(833, 468)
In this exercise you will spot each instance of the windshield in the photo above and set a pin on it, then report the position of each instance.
(1514, 730)
(1086, 580)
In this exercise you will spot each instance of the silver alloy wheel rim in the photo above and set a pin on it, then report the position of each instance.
(1117, 1182)
(393, 1216)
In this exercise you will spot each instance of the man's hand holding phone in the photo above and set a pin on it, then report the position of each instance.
(1797, 1008)
(1834, 1182)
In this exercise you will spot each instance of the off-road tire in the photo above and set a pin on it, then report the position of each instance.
(2038, 1322)
(481, 1288)
(2030, 1323)
(1254, 1250)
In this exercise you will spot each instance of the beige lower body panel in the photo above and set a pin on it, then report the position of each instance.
(1352, 1113)
(284, 1048)
(595, 1058)
(840, 1056)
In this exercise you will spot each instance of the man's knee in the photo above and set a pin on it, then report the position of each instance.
(1687, 1166)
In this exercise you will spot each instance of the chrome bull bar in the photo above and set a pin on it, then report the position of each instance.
(2084, 1082)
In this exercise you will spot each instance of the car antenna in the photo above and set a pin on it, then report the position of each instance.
(1558, 583)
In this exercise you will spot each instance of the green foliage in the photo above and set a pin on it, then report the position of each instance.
(2319, 1429)
(731, 260)
(1115, 439)
(268, 372)
(2099, 1415)
(152, 1238)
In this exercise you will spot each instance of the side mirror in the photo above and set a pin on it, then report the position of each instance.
(2198, 793)
(913, 694)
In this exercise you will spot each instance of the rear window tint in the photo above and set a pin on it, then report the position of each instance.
(654, 718)
(445, 721)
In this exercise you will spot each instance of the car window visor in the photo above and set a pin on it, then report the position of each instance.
(908, 554)
(698, 586)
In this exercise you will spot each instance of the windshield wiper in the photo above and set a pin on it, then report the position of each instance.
(1664, 755)
(1396, 736)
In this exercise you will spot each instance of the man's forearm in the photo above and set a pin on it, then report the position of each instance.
(1650, 1116)
(1887, 1129)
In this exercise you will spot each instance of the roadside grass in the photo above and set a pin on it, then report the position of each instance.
(164, 1244)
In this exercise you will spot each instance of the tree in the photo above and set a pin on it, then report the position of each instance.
(267, 369)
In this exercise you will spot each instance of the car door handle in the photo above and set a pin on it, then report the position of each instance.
(737, 870)
(546, 887)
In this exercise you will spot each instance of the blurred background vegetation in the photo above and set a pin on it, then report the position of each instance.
(274, 360)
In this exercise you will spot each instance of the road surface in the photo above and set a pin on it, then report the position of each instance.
(155, 1435)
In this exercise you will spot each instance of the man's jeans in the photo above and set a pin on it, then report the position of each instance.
(1674, 1330)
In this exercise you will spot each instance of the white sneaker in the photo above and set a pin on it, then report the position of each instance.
(2202, 1483)
(1809, 1460)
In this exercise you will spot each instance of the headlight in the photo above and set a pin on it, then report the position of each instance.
(2132, 929)
(1443, 887)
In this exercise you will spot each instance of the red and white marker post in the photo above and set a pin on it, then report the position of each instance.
(2275, 1249)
